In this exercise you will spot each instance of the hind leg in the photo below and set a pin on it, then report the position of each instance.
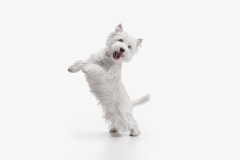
(113, 129)
(125, 121)
(134, 130)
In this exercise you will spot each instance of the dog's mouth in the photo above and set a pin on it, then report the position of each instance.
(117, 55)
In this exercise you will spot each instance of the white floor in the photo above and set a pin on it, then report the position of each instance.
(189, 63)
(57, 118)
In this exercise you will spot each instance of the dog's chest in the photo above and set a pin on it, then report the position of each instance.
(110, 90)
(114, 73)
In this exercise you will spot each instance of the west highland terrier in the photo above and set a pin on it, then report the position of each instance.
(103, 74)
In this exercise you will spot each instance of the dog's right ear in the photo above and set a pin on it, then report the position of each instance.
(119, 28)
(139, 42)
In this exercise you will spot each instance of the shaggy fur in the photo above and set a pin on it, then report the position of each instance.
(103, 74)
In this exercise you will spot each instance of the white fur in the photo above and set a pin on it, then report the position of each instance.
(103, 74)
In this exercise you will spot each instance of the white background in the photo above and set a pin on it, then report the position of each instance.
(189, 63)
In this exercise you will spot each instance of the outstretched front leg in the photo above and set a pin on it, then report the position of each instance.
(77, 66)
(94, 71)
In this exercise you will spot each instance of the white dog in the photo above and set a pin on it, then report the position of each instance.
(103, 74)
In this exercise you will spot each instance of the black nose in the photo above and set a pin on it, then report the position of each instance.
(122, 50)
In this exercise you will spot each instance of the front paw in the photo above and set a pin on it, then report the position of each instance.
(72, 69)
(77, 66)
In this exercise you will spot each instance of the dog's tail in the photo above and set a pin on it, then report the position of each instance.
(141, 100)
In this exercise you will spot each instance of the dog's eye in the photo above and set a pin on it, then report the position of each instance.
(120, 40)
(129, 47)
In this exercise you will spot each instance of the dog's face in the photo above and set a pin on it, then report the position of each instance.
(120, 46)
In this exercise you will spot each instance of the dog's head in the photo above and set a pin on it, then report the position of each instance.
(120, 46)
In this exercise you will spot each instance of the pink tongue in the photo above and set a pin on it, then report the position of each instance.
(117, 55)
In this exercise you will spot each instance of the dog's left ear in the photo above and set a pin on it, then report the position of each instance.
(119, 28)
(139, 42)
